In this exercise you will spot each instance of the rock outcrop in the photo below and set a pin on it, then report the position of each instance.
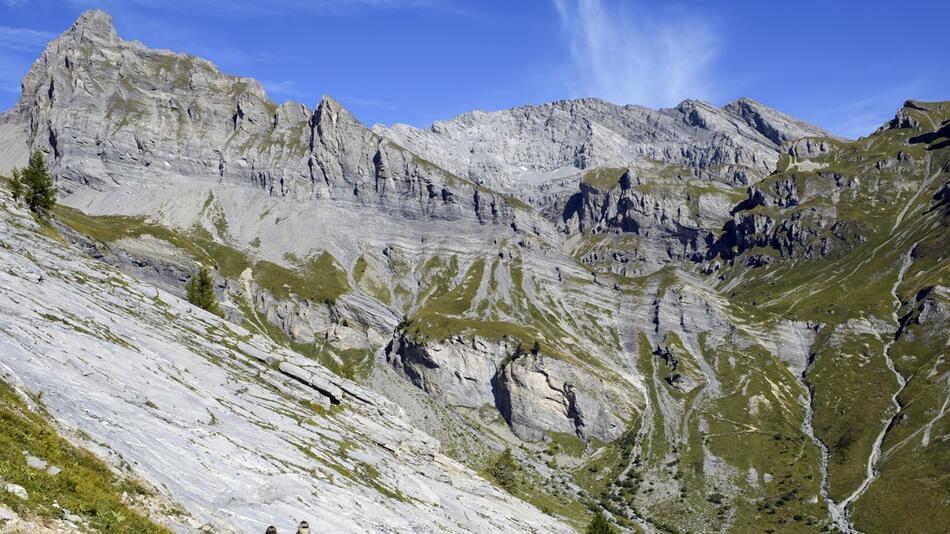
(238, 431)
(736, 144)
(535, 394)
(701, 318)
(111, 112)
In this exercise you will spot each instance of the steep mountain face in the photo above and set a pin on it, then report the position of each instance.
(227, 165)
(239, 432)
(679, 169)
(113, 112)
(736, 144)
(696, 319)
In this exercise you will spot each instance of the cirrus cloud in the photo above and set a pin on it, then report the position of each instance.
(23, 39)
(626, 54)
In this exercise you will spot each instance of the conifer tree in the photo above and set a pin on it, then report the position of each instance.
(40, 193)
(504, 470)
(600, 525)
(16, 184)
(201, 291)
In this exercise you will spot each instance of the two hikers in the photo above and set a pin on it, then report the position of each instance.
(303, 528)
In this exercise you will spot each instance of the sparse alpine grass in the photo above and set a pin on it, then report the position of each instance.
(85, 487)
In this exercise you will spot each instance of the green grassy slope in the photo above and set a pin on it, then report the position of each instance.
(874, 207)
(86, 487)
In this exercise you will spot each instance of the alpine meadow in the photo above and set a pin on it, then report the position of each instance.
(219, 312)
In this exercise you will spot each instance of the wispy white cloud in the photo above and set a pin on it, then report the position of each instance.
(626, 54)
(23, 39)
(281, 87)
(365, 102)
(861, 116)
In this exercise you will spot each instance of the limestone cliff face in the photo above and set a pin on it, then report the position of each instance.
(726, 303)
(232, 431)
(736, 144)
(534, 393)
(538, 395)
(111, 112)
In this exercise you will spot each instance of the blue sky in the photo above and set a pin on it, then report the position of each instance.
(846, 66)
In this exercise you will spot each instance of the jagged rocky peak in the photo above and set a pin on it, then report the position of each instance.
(918, 115)
(90, 54)
(148, 106)
(94, 24)
(776, 126)
(110, 112)
(736, 144)
(331, 114)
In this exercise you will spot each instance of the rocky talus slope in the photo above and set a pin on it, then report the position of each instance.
(237, 432)
(694, 319)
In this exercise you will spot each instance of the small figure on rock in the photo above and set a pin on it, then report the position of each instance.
(303, 528)
(271, 530)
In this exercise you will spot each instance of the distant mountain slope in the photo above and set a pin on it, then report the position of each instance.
(736, 144)
(113, 112)
(239, 432)
(692, 319)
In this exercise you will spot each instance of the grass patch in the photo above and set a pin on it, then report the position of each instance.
(568, 444)
(317, 279)
(86, 486)
(604, 178)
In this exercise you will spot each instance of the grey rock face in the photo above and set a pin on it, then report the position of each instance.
(111, 112)
(535, 394)
(927, 315)
(808, 147)
(17, 491)
(770, 218)
(235, 441)
(669, 223)
(666, 212)
(458, 372)
(777, 127)
(570, 402)
(904, 118)
(736, 144)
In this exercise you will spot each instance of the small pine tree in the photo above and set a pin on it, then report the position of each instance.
(201, 291)
(600, 525)
(16, 184)
(40, 194)
(504, 470)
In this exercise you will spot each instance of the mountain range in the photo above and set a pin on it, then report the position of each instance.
(694, 319)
